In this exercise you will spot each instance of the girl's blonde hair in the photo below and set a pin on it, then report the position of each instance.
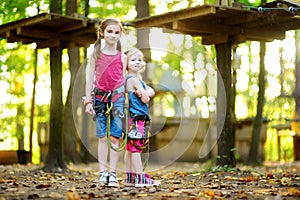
(100, 32)
(132, 51)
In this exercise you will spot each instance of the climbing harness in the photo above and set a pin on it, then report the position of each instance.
(109, 111)
(134, 135)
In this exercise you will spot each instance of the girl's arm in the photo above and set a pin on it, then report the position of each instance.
(90, 73)
(124, 61)
(133, 84)
(141, 92)
(150, 92)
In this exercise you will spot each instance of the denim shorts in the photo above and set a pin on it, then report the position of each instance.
(115, 121)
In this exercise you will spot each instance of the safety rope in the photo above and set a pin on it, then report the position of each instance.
(109, 107)
(260, 9)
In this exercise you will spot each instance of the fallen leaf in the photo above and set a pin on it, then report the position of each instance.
(41, 186)
(286, 181)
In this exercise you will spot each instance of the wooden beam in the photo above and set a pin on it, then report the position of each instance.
(159, 20)
(72, 26)
(237, 39)
(37, 33)
(241, 18)
(217, 38)
(291, 24)
(204, 27)
(48, 44)
(25, 22)
(269, 20)
(13, 37)
(264, 34)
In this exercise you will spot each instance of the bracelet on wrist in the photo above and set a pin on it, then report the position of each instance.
(86, 100)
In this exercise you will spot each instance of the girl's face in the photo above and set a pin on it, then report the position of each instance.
(135, 62)
(112, 34)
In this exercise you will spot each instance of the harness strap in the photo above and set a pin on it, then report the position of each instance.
(123, 144)
(119, 90)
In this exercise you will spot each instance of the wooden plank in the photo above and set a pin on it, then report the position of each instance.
(217, 38)
(264, 34)
(204, 27)
(8, 157)
(269, 20)
(25, 22)
(160, 20)
(13, 37)
(48, 44)
(72, 26)
(241, 18)
(40, 34)
(290, 25)
(237, 39)
(19, 39)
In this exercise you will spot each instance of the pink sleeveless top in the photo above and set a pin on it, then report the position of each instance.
(109, 73)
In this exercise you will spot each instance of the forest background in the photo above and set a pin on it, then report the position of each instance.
(17, 74)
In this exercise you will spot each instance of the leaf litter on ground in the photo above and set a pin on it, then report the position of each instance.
(178, 181)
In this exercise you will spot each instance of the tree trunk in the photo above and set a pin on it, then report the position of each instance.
(69, 129)
(142, 7)
(296, 95)
(84, 153)
(225, 156)
(254, 148)
(54, 160)
(33, 103)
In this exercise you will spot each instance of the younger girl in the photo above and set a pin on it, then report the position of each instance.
(105, 79)
(139, 95)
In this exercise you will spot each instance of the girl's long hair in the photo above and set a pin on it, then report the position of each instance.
(100, 32)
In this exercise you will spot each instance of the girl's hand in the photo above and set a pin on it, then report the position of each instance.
(138, 93)
(89, 109)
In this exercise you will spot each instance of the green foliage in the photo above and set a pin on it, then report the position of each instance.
(224, 168)
(113, 8)
(14, 73)
(13, 10)
(255, 3)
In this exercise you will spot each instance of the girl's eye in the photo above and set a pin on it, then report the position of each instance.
(111, 31)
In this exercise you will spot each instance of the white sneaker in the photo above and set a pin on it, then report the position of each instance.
(112, 180)
(103, 178)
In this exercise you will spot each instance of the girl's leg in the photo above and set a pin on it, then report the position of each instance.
(114, 158)
(102, 154)
(128, 161)
(114, 155)
(130, 174)
(102, 161)
(137, 162)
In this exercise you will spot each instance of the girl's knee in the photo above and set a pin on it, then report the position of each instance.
(114, 140)
(102, 140)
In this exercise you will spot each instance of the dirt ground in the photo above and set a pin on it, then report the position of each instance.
(178, 181)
